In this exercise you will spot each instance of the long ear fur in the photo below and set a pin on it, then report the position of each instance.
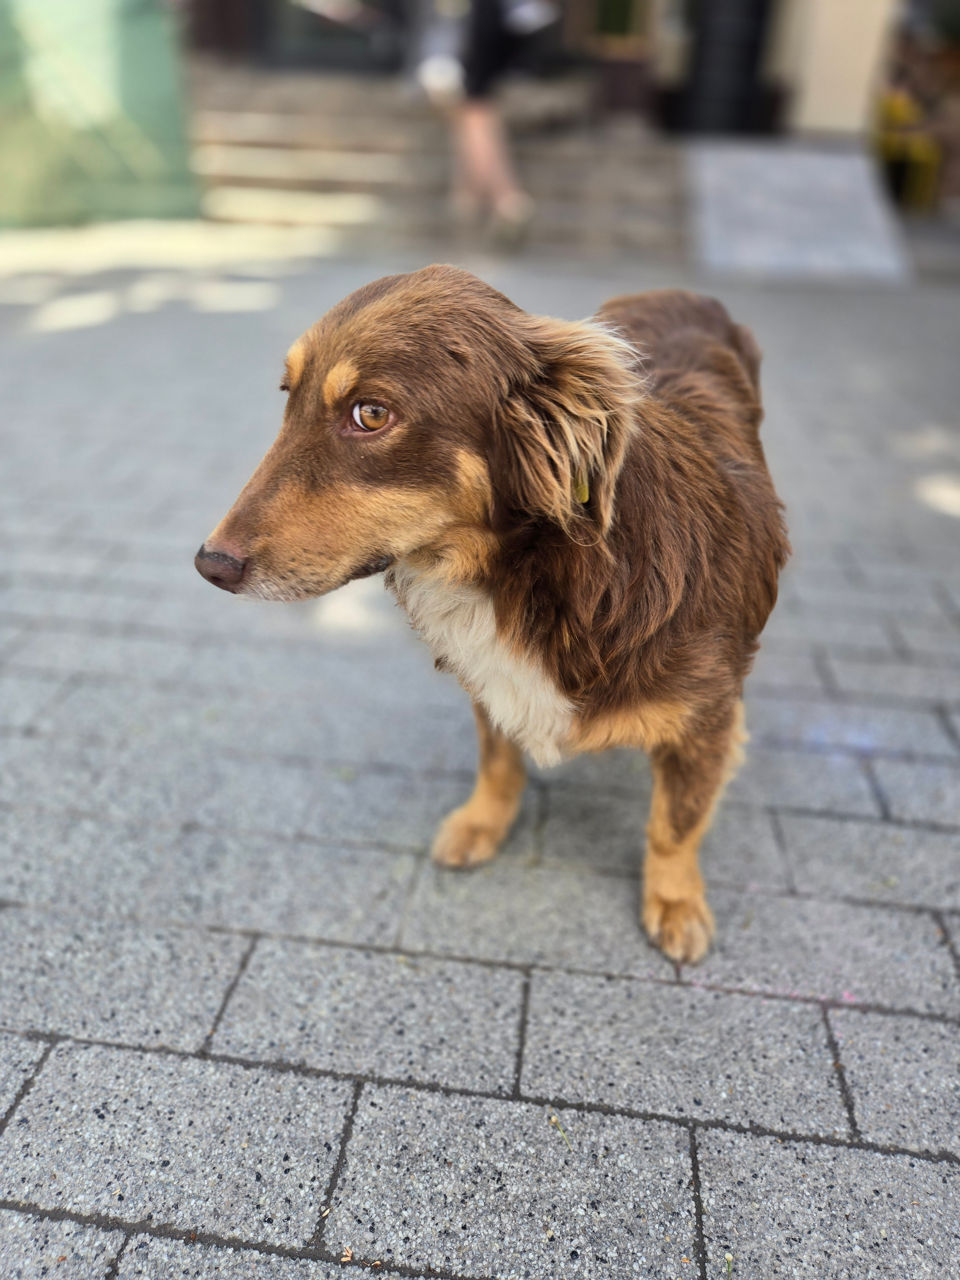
(562, 434)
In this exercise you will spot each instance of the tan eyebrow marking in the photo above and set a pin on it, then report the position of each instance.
(296, 359)
(339, 380)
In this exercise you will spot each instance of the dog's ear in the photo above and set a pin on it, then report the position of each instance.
(562, 432)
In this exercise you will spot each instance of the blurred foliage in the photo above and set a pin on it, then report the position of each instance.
(91, 123)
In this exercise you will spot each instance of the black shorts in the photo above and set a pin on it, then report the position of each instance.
(490, 48)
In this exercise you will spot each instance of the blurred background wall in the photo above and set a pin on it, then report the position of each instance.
(334, 114)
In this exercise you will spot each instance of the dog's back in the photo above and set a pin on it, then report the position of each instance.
(694, 355)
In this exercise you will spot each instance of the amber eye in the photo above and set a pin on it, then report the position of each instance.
(369, 416)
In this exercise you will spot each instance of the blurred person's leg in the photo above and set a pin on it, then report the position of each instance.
(484, 177)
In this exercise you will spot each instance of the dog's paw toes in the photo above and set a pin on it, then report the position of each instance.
(682, 930)
(461, 842)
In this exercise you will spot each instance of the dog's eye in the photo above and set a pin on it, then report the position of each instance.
(369, 416)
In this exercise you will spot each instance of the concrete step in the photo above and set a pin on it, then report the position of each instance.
(654, 182)
(525, 102)
(414, 218)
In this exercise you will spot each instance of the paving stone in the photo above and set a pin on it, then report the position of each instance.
(151, 1258)
(829, 950)
(786, 1208)
(598, 828)
(58, 775)
(18, 1057)
(741, 848)
(904, 1074)
(789, 629)
(25, 562)
(897, 681)
(88, 605)
(839, 724)
(24, 697)
(680, 1051)
(203, 1146)
(112, 981)
(622, 770)
(402, 809)
(845, 858)
(929, 639)
(863, 599)
(283, 886)
(191, 784)
(131, 657)
(248, 795)
(444, 1182)
(407, 1018)
(797, 779)
(775, 669)
(86, 864)
(11, 636)
(31, 1247)
(532, 916)
(588, 829)
(322, 729)
(921, 792)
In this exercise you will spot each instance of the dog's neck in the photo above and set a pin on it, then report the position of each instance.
(457, 620)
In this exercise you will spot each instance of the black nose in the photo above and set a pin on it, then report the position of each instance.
(222, 570)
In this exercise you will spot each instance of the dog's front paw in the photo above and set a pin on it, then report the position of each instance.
(463, 841)
(682, 930)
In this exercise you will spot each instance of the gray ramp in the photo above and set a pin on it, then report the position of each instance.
(792, 211)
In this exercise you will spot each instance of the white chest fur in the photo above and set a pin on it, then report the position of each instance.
(458, 625)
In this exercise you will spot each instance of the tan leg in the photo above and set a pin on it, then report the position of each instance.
(688, 779)
(473, 833)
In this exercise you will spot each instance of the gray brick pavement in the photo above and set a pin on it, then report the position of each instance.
(107, 980)
(213, 825)
(781, 1207)
(148, 1258)
(831, 951)
(904, 1074)
(629, 1044)
(445, 1183)
(410, 1018)
(828, 724)
(921, 792)
(33, 1247)
(202, 1146)
(836, 858)
(18, 1057)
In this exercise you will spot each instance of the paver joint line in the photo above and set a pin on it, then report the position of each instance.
(840, 1074)
(522, 1032)
(317, 1239)
(553, 1103)
(113, 1268)
(950, 942)
(873, 782)
(701, 1257)
(27, 1084)
(165, 1231)
(231, 988)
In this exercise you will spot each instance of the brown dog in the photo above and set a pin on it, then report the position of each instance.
(578, 519)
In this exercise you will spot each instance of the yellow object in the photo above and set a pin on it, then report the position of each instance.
(582, 489)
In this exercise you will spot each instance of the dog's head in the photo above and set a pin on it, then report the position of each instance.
(426, 413)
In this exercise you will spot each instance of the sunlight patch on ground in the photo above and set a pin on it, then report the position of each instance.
(361, 608)
(117, 246)
(149, 293)
(930, 441)
(941, 492)
(75, 311)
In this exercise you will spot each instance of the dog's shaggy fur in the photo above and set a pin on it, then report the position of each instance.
(578, 519)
